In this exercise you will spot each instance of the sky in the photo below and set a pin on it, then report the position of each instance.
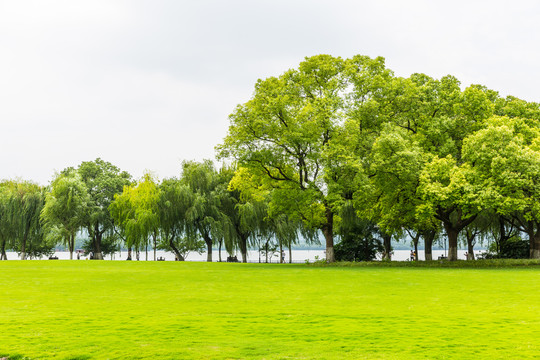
(148, 84)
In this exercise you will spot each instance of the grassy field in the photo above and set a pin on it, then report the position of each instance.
(171, 310)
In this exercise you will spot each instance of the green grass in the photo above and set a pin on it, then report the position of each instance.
(171, 310)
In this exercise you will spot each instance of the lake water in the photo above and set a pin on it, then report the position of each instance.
(298, 256)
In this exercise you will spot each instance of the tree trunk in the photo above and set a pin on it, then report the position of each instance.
(243, 247)
(452, 233)
(146, 249)
(97, 244)
(208, 242)
(428, 236)
(129, 253)
(328, 232)
(387, 244)
(174, 248)
(71, 245)
(219, 250)
(453, 225)
(281, 252)
(290, 254)
(470, 249)
(3, 255)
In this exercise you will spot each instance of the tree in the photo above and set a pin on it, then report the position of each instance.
(506, 158)
(203, 214)
(65, 207)
(360, 238)
(289, 136)
(7, 229)
(103, 180)
(177, 235)
(27, 201)
(442, 116)
(136, 211)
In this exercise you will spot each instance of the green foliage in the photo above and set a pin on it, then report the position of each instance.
(136, 212)
(203, 217)
(359, 238)
(103, 181)
(109, 245)
(65, 209)
(514, 248)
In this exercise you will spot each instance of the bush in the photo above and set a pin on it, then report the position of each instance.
(359, 249)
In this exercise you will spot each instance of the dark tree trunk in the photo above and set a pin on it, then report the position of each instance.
(453, 227)
(428, 236)
(175, 249)
(219, 250)
(328, 232)
(470, 250)
(290, 254)
(3, 255)
(452, 233)
(71, 245)
(208, 242)
(534, 242)
(243, 246)
(281, 252)
(415, 240)
(387, 244)
(98, 235)
(129, 253)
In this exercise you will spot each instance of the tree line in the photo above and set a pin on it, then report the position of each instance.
(341, 147)
(194, 212)
(337, 141)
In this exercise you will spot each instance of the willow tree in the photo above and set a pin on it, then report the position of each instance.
(203, 214)
(177, 234)
(27, 202)
(136, 211)
(65, 207)
(7, 209)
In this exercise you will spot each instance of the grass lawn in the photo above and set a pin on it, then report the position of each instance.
(171, 310)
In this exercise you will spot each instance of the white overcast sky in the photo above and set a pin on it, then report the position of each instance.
(147, 84)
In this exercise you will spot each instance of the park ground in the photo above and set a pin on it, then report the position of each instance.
(171, 310)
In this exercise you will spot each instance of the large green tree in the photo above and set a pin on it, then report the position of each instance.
(506, 159)
(293, 135)
(103, 180)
